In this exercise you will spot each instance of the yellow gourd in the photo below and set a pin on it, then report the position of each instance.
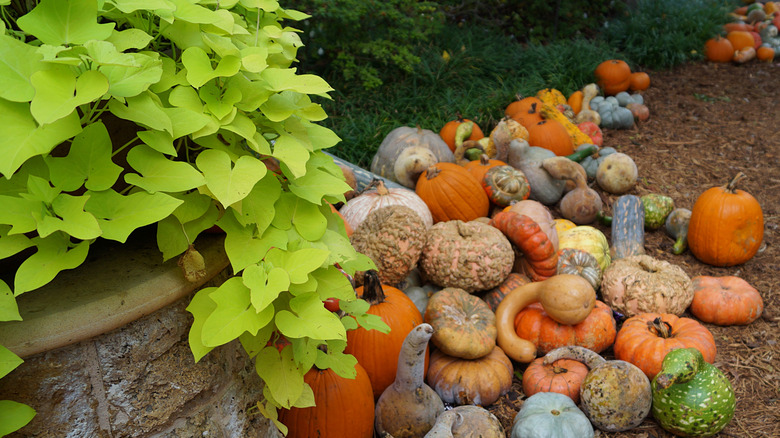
(551, 97)
(577, 137)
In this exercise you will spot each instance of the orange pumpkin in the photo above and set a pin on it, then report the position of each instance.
(597, 332)
(613, 76)
(644, 340)
(451, 192)
(725, 300)
(527, 111)
(552, 135)
(478, 381)
(563, 376)
(538, 250)
(343, 407)
(719, 49)
(765, 53)
(726, 226)
(447, 132)
(478, 168)
(639, 81)
(575, 101)
(741, 39)
(493, 297)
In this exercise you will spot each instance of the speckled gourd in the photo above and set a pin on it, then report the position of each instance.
(473, 255)
(691, 397)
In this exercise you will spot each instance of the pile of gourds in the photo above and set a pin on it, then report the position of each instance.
(478, 281)
(753, 34)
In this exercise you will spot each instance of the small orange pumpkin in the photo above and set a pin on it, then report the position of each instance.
(527, 111)
(726, 226)
(613, 76)
(447, 132)
(478, 167)
(552, 135)
(451, 192)
(479, 381)
(639, 81)
(563, 376)
(741, 39)
(719, 49)
(575, 101)
(765, 54)
(725, 300)
(644, 340)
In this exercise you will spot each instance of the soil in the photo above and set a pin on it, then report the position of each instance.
(708, 122)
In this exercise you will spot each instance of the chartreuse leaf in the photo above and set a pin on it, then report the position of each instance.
(130, 81)
(219, 102)
(9, 310)
(229, 184)
(186, 121)
(309, 221)
(105, 53)
(234, 314)
(63, 23)
(292, 153)
(18, 61)
(253, 344)
(159, 174)
(243, 248)
(253, 93)
(127, 6)
(19, 213)
(332, 283)
(177, 231)
(8, 360)
(53, 256)
(22, 138)
(58, 92)
(199, 69)
(268, 409)
(89, 159)
(144, 110)
(74, 220)
(316, 184)
(281, 106)
(12, 244)
(258, 206)
(335, 359)
(201, 307)
(161, 141)
(129, 39)
(307, 317)
(254, 59)
(266, 5)
(40, 189)
(264, 286)
(14, 416)
(187, 11)
(282, 79)
(298, 264)
(283, 378)
(119, 215)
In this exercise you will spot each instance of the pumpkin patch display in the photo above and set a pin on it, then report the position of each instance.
(551, 415)
(646, 338)
(406, 152)
(726, 300)
(563, 376)
(726, 226)
(451, 192)
(479, 381)
(464, 326)
(473, 256)
(690, 396)
(644, 284)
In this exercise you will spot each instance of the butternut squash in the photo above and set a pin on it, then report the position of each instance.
(566, 298)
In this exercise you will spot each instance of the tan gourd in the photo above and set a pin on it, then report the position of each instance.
(586, 114)
(567, 298)
(582, 204)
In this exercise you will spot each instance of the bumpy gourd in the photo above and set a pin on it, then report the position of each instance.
(657, 208)
(467, 422)
(690, 396)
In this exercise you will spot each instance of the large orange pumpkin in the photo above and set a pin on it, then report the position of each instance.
(375, 351)
(563, 376)
(726, 226)
(552, 135)
(451, 192)
(719, 49)
(597, 332)
(741, 39)
(447, 132)
(725, 300)
(527, 111)
(343, 407)
(644, 340)
(613, 76)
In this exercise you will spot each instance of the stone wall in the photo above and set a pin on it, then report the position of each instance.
(140, 381)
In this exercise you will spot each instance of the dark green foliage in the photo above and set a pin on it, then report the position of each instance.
(364, 42)
(661, 34)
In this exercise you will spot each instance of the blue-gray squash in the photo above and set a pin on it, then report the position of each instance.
(551, 415)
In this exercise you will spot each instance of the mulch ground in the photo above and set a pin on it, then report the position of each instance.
(708, 122)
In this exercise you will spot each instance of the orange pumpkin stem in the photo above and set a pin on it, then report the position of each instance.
(660, 327)
(559, 370)
(372, 288)
(732, 186)
(432, 172)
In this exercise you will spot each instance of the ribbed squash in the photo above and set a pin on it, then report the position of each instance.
(578, 262)
(628, 227)
(505, 185)
(588, 239)
(538, 251)
(478, 381)
(451, 192)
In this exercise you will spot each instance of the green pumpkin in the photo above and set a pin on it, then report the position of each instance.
(691, 398)
(551, 415)
(657, 208)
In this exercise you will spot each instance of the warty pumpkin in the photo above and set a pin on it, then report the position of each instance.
(726, 226)
(464, 326)
(645, 339)
(479, 381)
(563, 376)
(343, 407)
(451, 192)
(726, 300)
(538, 252)
(375, 351)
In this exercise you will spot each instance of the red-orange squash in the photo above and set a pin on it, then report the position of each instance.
(538, 251)
(639, 81)
(719, 49)
(725, 300)
(597, 332)
(726, 226)
(644, 340)
(563, 376)
(343, 407)
(451, 192)
(613, 76)
(493, 297)
(375, 351)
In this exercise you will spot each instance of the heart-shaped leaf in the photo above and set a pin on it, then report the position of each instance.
(229, 184)
(65, 23)
(18, 61)
(58, 92)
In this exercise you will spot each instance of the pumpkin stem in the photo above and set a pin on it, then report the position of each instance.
(660, 327)
(731, 187)
(381, 189)
(432, 172)
(559, 370)
(372, 288)
(484, 160)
